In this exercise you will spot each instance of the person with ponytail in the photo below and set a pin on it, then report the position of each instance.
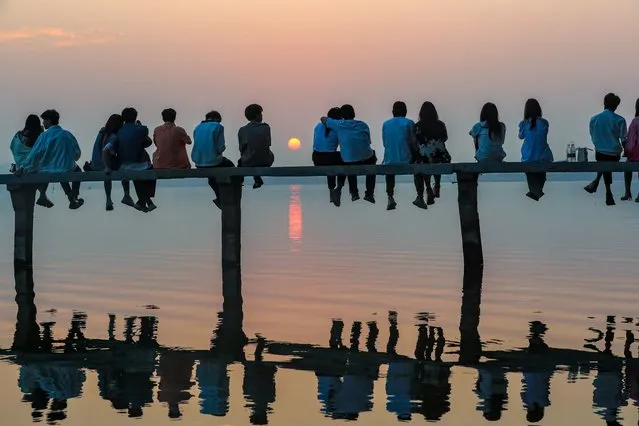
(489, 135)
(21, 146)
(631, 149)
(533, 130)
(325, 153)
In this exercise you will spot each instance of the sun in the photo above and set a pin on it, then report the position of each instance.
(294, 144)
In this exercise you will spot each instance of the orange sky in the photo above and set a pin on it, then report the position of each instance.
(89, 59)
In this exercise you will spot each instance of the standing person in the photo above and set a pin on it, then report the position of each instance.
(489, 135)
(430, 136)
(355, 148)
(325, 153)
(21, 145)
(607, 131)
(130, 149)
(170, 141)
(107, 135)
(397, 138)
(255, 142)
(631, 148)
(208, 147)
(55, 151)
(533, 130)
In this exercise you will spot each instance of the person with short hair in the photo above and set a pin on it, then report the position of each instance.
(355, 147)
(170, 141)
(631, 151)
(607, 132)
(325, 150)
(100, 160)
(22, 144)
(533, 130)
(255, 142)
(489, 135)
(208, 148)
(397, 138)
(55, 151)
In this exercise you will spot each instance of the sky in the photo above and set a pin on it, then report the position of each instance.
(89, 59)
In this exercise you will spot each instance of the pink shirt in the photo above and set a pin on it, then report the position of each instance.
(632, 140)
(171, 142)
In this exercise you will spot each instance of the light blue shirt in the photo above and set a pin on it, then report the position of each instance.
(535, 146)
(489, 149)
(397, 134)
(607, 131)
(19, 149)
(55, 151)
(208, 144)
(354, 139)
(322, 142)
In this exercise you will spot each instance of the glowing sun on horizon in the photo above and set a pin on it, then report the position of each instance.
(294, 144)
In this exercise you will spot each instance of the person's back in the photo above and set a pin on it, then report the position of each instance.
(56, 150)
(490, 146)
(323, 140)
(396, 137)
(535, 146)
(20, 148)
(171, 141)
(607, 131)
(354, 139)
(208, 144)
(133, 140)
(255, 145)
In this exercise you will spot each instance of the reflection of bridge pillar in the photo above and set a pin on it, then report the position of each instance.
(231, 200)
(27, 335)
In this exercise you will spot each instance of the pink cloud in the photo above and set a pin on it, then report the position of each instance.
(56, 36)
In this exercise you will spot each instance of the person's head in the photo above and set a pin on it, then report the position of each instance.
(490, 115)
(33, 124)
(399, 109)
(637, 108)
(428, 113)
(169, 115)
(335, 113)
(611, 102)
(213, 116)
(532, 111)
(129, 115)
(254, 112)
(113, 124)
(50, 118)
(348, 112)
(535, 413)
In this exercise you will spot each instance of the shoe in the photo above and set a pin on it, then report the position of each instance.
(109, 206)
(637, 199)
(436, 190)
(128, 201)
(533, 196)
(150, 206)
(626, 197)
(370, 198)
(354, 197)
(419, 202)
(45, 202)
(76, 203)
(258, 183)
(610, 200)
(430, 199)
(140, 206)
(217, 203)
(591, 188)
(392, 205)
(336, 196)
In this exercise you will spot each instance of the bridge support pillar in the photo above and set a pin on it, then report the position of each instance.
(231, 201)
(23, 201)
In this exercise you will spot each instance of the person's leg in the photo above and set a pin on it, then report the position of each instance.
(430, 194)
(607, 176)
(418, 179)
(141, 192)
(627, 177)
(108, 187)
(126, 188)
(390, 191)
(437, 187)
(533, 186)
(370, 181)
(150, 187)
(75, 186)
(352, 187)
(43, 200)
(592, 186)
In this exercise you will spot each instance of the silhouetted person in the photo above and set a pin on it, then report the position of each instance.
(170, 142)
(136, 379)
(55, 151)
(434, 387)
(325, 150)
(607, 131)
(259, 386)
(355, 147)
(101, 160)
(492, 391)
(255, 142)
(214, 385)
(373, 333)
(608, 384)
(335, 341)
(400, 380)
(22, 144)
(208, 148)
(533, 130)
(397, 138)
(355, 395)
(430, 136)
(356, 333)
(130, 149)
(535, 393)
(175, 370)
(631, 151)
(393, 333)
(489, 135)
(75, 341)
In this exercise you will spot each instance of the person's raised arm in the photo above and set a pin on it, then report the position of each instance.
(592, 126)
(77, 152)
(623, 130)
(184, 137)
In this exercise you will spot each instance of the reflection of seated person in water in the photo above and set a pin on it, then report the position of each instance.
(536, 383)
(214, 384)
(492, 390)
(259, 386)
(175, 370)
(433, 390)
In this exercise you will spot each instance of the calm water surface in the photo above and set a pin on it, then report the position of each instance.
(349, 314)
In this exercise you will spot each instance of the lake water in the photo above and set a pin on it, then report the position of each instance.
(350, 313)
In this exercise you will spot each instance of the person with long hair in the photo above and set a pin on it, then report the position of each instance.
(397, 138)
(430, 135)
(101, 160)
(607, 132)
(631, 148)
(533, 130)
(489, 135)
(21, 146)
(325, 150)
